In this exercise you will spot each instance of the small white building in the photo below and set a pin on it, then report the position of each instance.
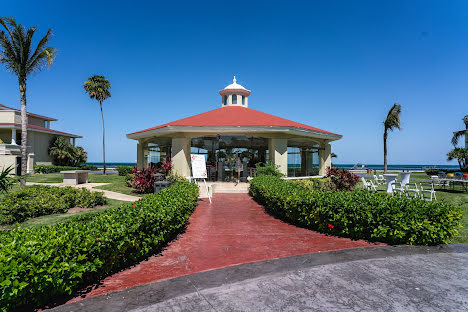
(39, 136)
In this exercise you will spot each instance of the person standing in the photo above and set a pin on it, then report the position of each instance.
(238, 167)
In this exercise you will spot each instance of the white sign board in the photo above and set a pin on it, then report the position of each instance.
(198, 166)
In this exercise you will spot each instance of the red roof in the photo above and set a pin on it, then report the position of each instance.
(34, 127)
(235, 116)
(3, 107)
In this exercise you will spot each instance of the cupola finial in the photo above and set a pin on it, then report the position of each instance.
(234, 80)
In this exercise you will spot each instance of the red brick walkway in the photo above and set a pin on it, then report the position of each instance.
(234, 229)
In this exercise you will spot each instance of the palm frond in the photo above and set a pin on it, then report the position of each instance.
(393, 118)
(457, 135)
(97, 87)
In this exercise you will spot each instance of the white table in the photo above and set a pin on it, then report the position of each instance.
(405, 176)
(74, 177)
(390, 179)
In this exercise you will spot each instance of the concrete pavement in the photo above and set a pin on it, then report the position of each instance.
(388, 278)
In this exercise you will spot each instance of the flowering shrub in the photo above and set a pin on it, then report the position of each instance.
(359, 214)
(143, 179)
(342, 179)
(40, 264)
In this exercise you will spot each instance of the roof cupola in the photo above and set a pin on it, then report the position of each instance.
(234, 95)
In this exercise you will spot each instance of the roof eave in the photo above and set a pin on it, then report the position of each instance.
(167, 130)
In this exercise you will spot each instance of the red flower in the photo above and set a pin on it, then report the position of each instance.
(331, 226)
(97, 238)
(133, 206)
(139, 199)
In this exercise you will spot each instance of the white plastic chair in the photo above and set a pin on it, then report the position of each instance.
(397, 188)
(368, 184)
(377, 180)
(412, 192)
(381, 178)
(427, 191)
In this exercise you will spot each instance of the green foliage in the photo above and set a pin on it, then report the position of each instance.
(461, 155)
(5, 179)
(54, 169)
(318, 184)
(359, 214)
(268, 169)
(65, 154)
(174, 177)
(40, 264)
(124, 170)
(38, 200)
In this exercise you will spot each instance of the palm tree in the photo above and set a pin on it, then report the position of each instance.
(391, 122)
(98, 88)
(61, 150)
(19, 56)
(458, 134)
(461, 155)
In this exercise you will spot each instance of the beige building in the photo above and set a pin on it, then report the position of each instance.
(39, 137)
(236, 131)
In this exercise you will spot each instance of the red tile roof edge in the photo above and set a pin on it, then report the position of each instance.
(42, 129)
(281, 122)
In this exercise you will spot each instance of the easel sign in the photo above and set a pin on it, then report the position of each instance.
(199, 170)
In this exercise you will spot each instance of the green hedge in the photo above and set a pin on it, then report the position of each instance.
(124, 170)
(39, 200)
(54, 169)
(39, 264)
(359, 214)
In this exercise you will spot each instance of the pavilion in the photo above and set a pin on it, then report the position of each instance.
(235, 129)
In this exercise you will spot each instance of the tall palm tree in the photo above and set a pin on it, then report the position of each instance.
(458, 134)
(98, 88)
(391, 123)
(19, 56)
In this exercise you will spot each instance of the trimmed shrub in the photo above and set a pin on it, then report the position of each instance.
(359, 214)
(174, 177)
(40, 264)
(38, 200)
(55, 169)
(124, 170)
(318, 184)
(342, 179)
(268, 169)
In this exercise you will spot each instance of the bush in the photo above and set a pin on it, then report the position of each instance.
(143, 179)
(175, 178)
(124, 170)
(268, 169)
(342, 179)
(318, 184)
(55, 169)
(5, 179)
(39, 200)
(359, 214)
(38, 265)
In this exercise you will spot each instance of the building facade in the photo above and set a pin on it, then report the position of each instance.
(39, 136)
(236, 131)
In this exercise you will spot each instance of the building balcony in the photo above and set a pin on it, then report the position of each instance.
(10, 149)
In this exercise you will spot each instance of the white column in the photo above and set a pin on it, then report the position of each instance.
(181, 156)
(13, 136)
(324, 158)
(279, 153)
(229, 99)
(140, 156)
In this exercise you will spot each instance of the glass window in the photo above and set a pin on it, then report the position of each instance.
(243, 100)
(224, 99)
(234, 99)
(302, 161)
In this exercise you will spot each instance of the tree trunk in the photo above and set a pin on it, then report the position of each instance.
(24, 133)
(103, 138)
(385, 150)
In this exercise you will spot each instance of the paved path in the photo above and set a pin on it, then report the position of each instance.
(91, 187)
(232, 230)
(386, 278)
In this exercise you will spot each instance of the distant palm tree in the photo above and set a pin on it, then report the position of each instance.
(391, 122)
(461, 155)
(98, 88)
(61, 150)
(458, 134)
(19, 56)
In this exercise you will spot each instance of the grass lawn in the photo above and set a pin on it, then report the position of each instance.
(63, 217)
(117, 183)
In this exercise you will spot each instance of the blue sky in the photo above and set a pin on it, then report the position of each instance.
(336, 65)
